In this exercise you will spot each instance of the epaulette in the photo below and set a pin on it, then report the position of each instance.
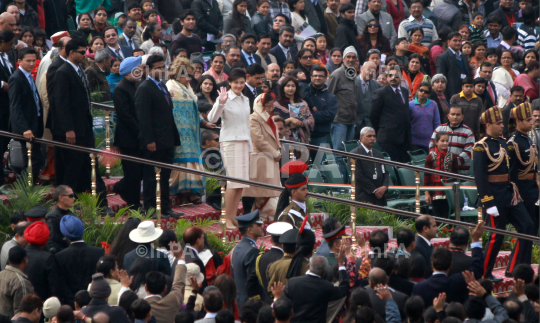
(511, 147)
(480, 145)
(479, 148)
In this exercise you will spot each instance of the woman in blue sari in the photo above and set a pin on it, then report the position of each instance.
(188, 122)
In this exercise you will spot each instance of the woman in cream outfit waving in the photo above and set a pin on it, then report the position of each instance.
(235, 139)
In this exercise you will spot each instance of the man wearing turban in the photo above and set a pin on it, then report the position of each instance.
(127, 131)
(41, 269)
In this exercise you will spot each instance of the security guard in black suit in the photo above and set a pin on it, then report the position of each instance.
(498, 195)
(525, 154)
(257, 283)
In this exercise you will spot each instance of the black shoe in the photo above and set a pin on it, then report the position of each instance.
(163, 216)
(171, 214)
(214, 205)
(494, 279)
(508, 274)
(109, 212)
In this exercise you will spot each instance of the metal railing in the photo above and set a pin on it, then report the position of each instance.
(159, 165)
(417, 169)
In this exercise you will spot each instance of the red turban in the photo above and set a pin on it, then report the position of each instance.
(37, 233)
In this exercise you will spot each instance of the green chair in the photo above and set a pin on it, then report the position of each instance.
(471, 169)
(71, 25)
(350, 145)
(472, 195)
(378, 147)
(418, 157)
(332, 173)
(314, 176)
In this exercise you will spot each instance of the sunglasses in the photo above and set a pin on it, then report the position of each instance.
(71, 196)
(215, 139)
(373, 26)
(82, 52)
(425, 91)
(307, 57)
(393, 76)
(110, 35)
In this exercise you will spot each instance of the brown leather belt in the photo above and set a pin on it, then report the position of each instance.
(498, 178)
(529, 176)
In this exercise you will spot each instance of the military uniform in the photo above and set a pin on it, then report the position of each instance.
(277, 272)
(495, 178)
(243, 259)
(294, 214)
(525, 155)
(257, 284)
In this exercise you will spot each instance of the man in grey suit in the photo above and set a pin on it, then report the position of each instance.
(385, 20)
(367, 85)
(315, 15)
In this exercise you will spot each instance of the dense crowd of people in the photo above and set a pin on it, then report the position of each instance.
(208, 84)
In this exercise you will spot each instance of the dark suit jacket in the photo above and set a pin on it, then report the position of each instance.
(227, 69)
(425, 251)
(4, 96)
(390, 118)
(489, 102)
(499, 12)
(42, 272)
(191, 256)
(71, 110)
(115, 313)
(247, 92)
(245, 62)
(460, 262)
(310, 296)
(127, 125)
(55, 65)
(76, 265)
(365, 184)
(160, 261)
(156, 120)
(454, 286)
(23, 110)
(448, 65)
(280, 56)
(126, 50)
(401, 284)
(380, 306)
(57, 242)
(508, 130)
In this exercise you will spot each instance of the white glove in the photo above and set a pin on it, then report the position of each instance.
(493, 211)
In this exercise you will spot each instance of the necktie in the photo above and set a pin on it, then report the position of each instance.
(167, 97)
(85, 82)
(118, 54)
(371, 153)
(366, 87)
(251, 60)
(36, 98)
(398, 94)
(255, 92)
(491, 94)
(130, 44)
(6, 63)
(289, 57)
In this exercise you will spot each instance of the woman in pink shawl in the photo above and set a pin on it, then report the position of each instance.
(528, 80)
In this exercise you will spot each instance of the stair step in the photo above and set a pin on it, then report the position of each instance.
(507, 285)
